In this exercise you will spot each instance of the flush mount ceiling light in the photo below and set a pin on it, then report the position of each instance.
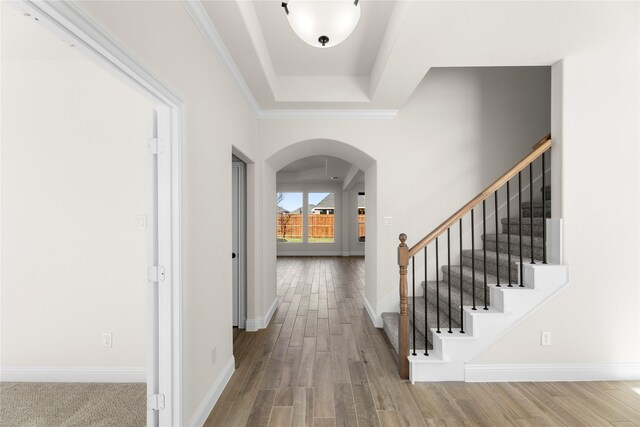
(322, 23)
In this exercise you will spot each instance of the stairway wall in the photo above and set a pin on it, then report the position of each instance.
(595, 122)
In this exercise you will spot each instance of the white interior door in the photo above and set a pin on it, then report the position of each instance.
(235, 243)
(238, 257)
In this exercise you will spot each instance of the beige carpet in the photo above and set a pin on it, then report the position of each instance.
(72, 404)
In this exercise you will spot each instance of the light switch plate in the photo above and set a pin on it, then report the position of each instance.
(140, 221)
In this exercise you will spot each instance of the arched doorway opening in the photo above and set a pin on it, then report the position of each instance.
(358, 175)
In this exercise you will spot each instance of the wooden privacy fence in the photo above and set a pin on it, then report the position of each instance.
(289, 226)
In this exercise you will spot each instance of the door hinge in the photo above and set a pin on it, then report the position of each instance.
(155, 402)
(156, 273)
(156, 145)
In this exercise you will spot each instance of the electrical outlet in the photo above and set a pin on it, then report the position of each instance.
(387, 221)
(545, 338)
(107, 340)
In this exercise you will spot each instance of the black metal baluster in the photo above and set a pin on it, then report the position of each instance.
(449, 275)
(495, 214)
(521, 278)
(484, 250)
(461, 291)
(544, 214)
(426, 333)
(437, 290)
(413, 278)
(531, 204)
(508, 236)
(473, 263)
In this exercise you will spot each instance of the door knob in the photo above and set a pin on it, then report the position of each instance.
(233, 255)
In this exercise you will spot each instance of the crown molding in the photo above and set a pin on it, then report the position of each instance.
(202, 20)
(327, 114)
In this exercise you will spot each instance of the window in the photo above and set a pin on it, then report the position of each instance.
(289, 217)
(320, 222)
(361, 217)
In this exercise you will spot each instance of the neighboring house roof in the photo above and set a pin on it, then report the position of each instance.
(326, 203)
(299, 210)
(282, 210)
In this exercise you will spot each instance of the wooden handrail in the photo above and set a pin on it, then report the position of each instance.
(540, 147)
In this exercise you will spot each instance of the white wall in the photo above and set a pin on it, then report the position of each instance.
(217, 119)
(596, 111)
(460, 130)
(74, 175)
(354, 246)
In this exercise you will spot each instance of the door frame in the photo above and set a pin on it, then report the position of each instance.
(68, 22)
(242, 241)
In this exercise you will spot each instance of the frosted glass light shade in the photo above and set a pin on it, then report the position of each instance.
(318, 21)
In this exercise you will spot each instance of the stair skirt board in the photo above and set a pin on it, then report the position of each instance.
(451, 352)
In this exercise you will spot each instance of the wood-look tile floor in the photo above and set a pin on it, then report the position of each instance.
(321, 362)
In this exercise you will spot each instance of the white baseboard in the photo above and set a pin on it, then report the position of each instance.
(253, 325)
(390, 303)
(552, 372)
(73, 375)
(352, 253)
(212, 396)
(377, 320)
(309, 253)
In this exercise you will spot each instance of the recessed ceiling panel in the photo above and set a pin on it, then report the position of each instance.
(353, 57)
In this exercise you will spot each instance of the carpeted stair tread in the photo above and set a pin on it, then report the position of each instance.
(515, 239)
(467, 276)
(537, 204)
(502, 239)
(539, 208)
(502, 257)
(455, 304)
(432, 318)
(478, 256)
(513, 225)
(525, 221)
(390, 322)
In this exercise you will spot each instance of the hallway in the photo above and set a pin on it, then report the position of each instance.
(321, 362)
(320, 358)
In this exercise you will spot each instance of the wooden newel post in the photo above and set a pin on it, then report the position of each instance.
(403, 324)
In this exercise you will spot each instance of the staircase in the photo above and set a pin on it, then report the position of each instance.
(390, 320)
(462, 311)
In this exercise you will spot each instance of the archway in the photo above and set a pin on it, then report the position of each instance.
(319, 147)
